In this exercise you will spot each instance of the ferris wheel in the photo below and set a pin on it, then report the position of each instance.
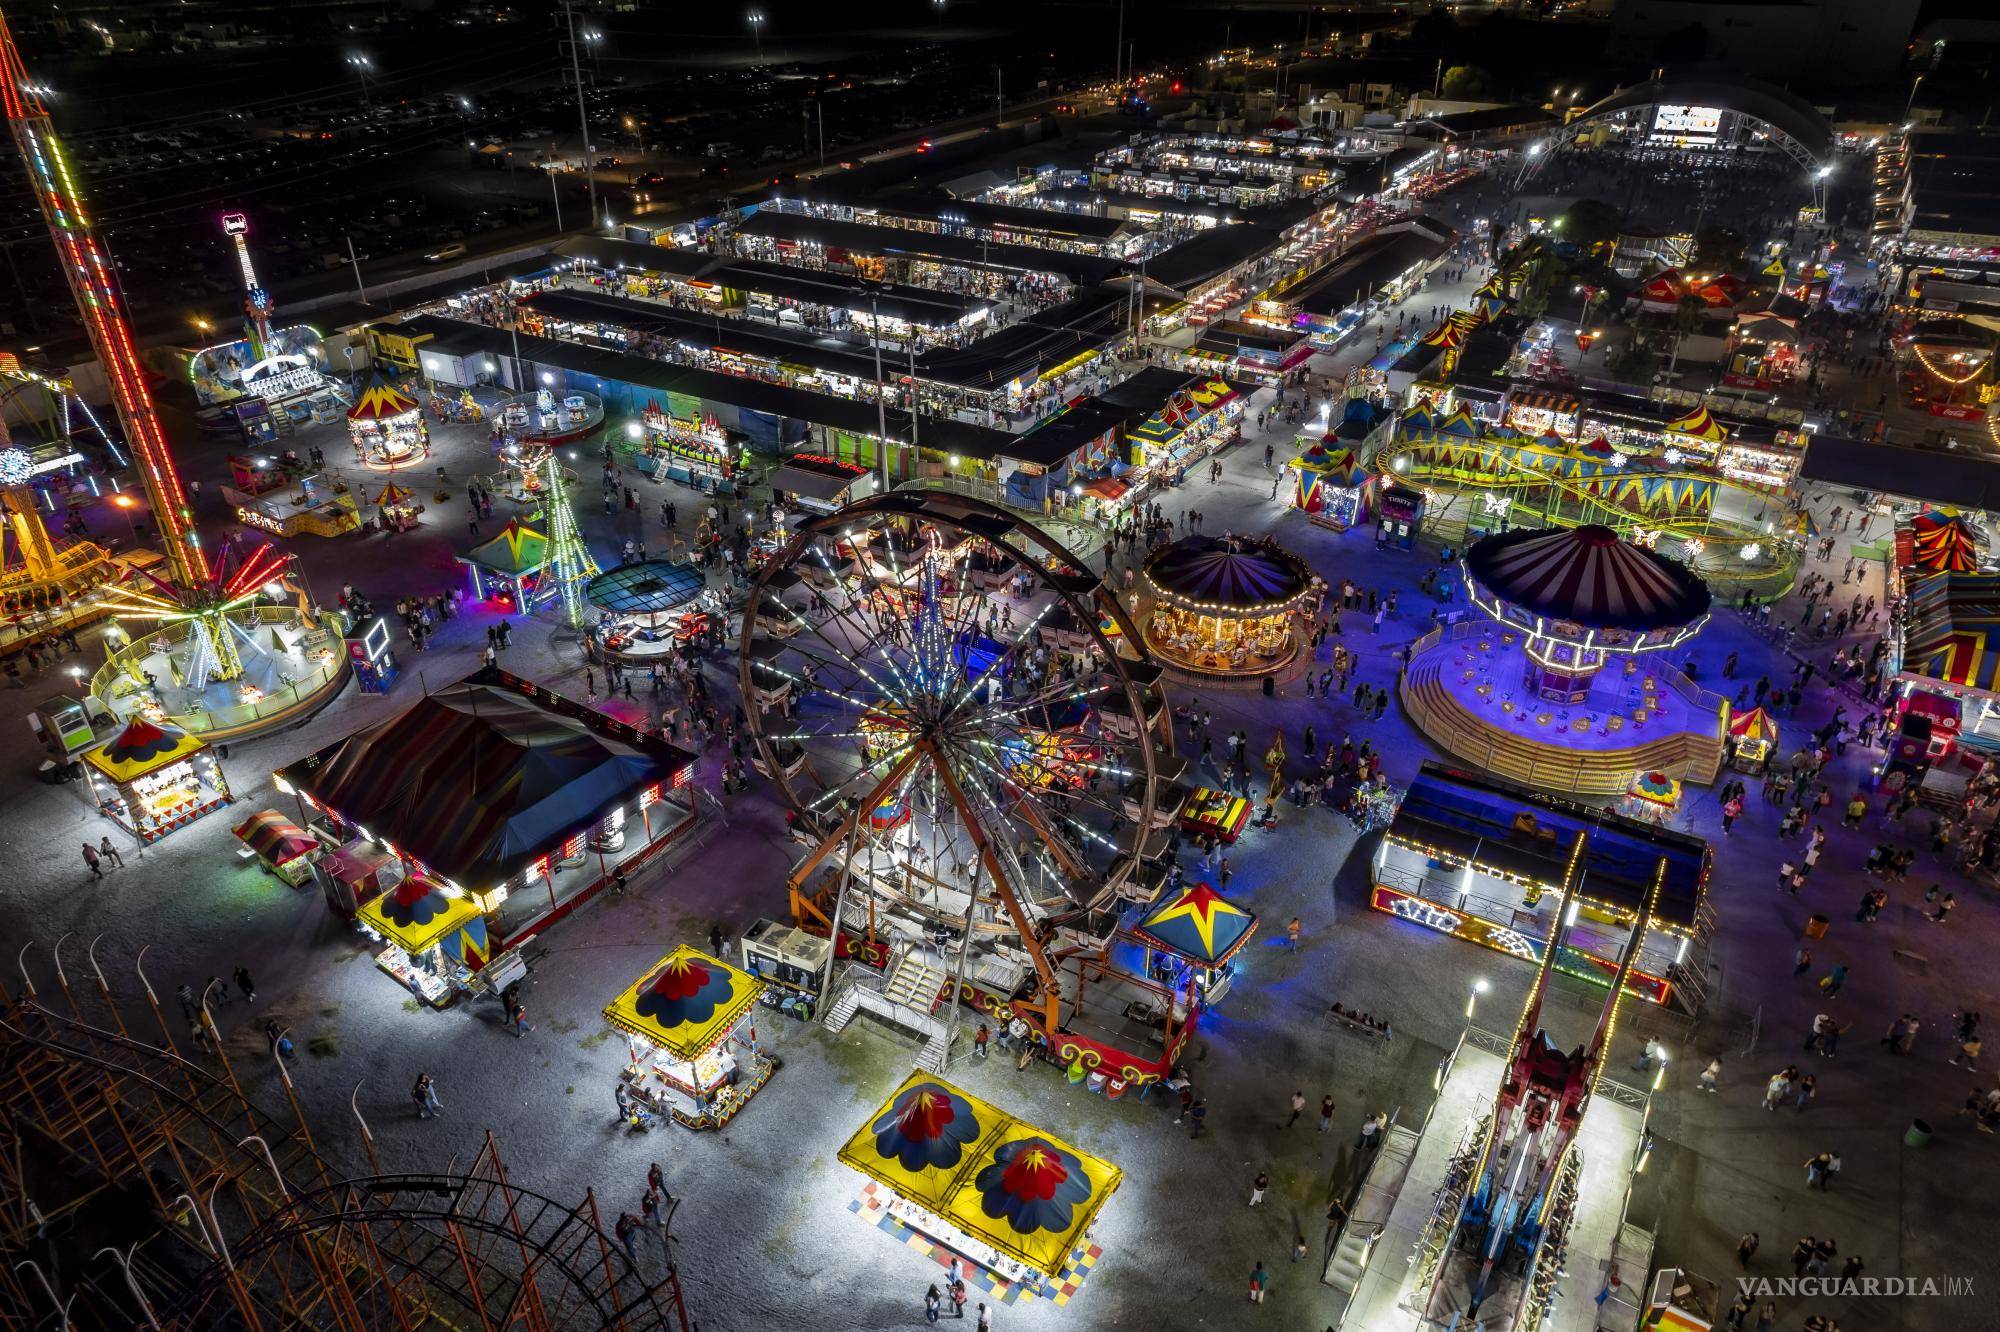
(960, 712)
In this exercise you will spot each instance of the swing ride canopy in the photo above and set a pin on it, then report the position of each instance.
(1587, 577)
(140, 748)
(999, 1179)
(686, 1004)
(391, 493)
(482, 777)
(1230, 578)
(381, 401)
(1198, 924)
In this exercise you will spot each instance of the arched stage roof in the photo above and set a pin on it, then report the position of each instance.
(1801, 131)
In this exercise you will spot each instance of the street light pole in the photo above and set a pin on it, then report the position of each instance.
(582, 116)
(363, 64)
(757, 32)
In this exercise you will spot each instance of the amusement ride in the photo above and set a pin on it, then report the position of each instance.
(970, 737)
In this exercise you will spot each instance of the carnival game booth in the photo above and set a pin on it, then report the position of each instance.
(960, 1173)
(1203, 417)
(692, 450)
(1334, 489)
(1753, 739)
(647, 608)
(1946, 655)
(1218, 814)
(1190, 940)
(691, 1043)
(509, 569)
(819, 484)
(1225, 606)
(433, 941)
(151, 780)
(1485, 860)
(1763, 352)
(1947, 366)
(387, 427)
(280, 846)
(396, 507)
(501, 793)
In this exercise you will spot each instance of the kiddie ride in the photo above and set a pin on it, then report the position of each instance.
(982, 803)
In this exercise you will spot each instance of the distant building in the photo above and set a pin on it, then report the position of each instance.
(1829, 40)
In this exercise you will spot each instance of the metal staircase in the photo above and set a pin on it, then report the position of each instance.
(917, 984)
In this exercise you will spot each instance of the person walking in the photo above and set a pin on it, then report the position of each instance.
(1371, 1134)
(243, 982)
(1817, 1169)
(985, 1323)
(1969, 1047)
(1298, 1108)
(90, 858)
(1259, 1279)
(656, 1182)
(627, 1231)
(424, 1093)
(1746, 1249)
(1325, 1113)
(521, 1024)
(1198, 1116)
(1807, 1088)
(110, 852)
(933, 1302)
(979, 1040)
(1710, 1074)
(1292, 933)
(1258, 1187)
(954, 1291)
(1830, 983)
(1801, 962)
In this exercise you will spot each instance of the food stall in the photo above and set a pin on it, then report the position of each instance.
(1653, 796)
(1753, 738)
(1399, 517)
(1225, 605)
(433, 941)
(1334, 489)
(508, 569)
(152, 779)
(1194, 422)
(691, 1043)
(1763, 352)
(397, 507)
(387, 427)
(281, 846)
(1191, 938)
(647, 607)
(957, 1172)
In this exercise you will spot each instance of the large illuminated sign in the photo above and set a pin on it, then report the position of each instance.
(1694, 122)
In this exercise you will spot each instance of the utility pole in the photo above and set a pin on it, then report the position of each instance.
(999, 100)
(881, 403)
(582, 116)
(358, 285)
(1118, 49)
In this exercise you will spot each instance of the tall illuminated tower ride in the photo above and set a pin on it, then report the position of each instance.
(94, 283)
(257, 302)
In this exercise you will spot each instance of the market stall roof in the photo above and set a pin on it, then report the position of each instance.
(480, 778)
(900, 242)
(1940, 543)
(1937, 475)
(1758, 326)
(997, 1178)
(1340, 466)
(417, 913)
(1370, 263)
(1080, 424)
(1229, 576)
(380, 401)
(1478, 817)
(515, 551)
(1952, 630)
(1587, 576)
(275, 838)
(1199, 924)
(140, 748)
(645, 587)
(687, 1004)
(814, 477)
(1208, 255)
(1756, 724)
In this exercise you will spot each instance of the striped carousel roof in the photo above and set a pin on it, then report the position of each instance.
(379, 401)
(1227, 575)
(1698, 424)
(1588, 576)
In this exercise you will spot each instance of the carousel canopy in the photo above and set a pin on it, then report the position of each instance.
(1698, 424)
(275, 838)
(478, 779)
(1953, 630)
(1940, 542)
(1200, 925)
(141, 748)
(1586, 575)
(416, 914)
(647, 587)
(687, 1004)
(1227, 576)
(997, 1178)
(380, 401)
(516, 552)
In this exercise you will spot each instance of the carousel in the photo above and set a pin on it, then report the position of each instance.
(1564, 685)
(980, 792)
(648, 608)
(387, 427)
(549, 419)
(1225, 606)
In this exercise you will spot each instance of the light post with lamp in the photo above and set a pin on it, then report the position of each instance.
(362, 64)
(756, 20)
(125, 504)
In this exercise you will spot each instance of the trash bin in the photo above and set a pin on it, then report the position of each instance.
(1918, 1133)
(1816, 927)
